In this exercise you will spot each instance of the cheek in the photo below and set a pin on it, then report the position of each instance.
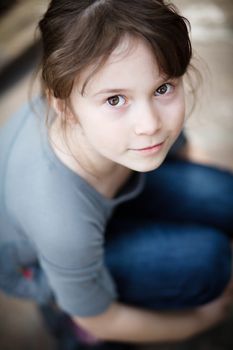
(103, 134)
(180, 114)
(102, 130)
(176, 115)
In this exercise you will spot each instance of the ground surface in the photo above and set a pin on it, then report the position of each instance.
(210, 132)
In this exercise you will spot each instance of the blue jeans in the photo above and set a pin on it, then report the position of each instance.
(167, 249)
(170, 247)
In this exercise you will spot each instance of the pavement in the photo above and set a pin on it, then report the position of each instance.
(209, 129)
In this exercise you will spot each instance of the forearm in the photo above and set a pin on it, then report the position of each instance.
(130, 324)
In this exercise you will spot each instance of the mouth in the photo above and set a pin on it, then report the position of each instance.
(157, 146)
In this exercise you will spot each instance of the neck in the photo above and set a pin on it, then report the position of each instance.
(104, 175)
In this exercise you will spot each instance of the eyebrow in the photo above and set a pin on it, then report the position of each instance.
(111, 91)
(118, 90)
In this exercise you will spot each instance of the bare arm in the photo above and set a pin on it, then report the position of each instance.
(130, 324)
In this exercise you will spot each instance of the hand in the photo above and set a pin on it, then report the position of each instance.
(216, 311)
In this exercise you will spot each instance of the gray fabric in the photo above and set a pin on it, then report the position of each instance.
(18, 258)
(63, 218)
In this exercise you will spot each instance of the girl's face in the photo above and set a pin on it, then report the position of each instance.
(129, 114)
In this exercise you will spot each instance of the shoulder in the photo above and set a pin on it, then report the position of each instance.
(46, 199)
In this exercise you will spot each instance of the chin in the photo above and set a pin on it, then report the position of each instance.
(143, 168)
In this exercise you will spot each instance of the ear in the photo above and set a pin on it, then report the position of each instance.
(62, 110)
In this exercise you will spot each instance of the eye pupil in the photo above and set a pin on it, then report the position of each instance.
(162, 89)
(113, 101)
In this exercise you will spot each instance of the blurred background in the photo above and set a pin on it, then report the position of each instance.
(209, 130)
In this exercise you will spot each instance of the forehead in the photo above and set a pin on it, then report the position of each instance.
(132, 59)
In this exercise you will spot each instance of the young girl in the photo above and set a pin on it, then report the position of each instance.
(130, 249)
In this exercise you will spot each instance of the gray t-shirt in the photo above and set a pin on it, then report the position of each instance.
(47, 204)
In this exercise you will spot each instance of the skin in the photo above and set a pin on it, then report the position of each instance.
(108, 130)
(106, 141)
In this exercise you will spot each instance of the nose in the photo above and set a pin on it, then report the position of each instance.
(147, 120)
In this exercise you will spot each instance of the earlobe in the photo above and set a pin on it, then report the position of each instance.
(57, 104)
(62, 110)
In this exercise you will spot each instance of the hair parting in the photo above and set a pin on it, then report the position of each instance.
(77, 34)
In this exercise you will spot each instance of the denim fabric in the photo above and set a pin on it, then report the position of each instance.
(181, 191)
(167, 249)
(170, 247)
(168, 266)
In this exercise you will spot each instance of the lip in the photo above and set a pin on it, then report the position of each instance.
(150, 147)
(149, 150)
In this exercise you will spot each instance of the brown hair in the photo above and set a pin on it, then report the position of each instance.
(77, 33)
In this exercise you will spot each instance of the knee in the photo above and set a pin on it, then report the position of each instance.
(209, 270)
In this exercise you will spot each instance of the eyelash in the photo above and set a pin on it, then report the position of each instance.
(117, 106)
(171, 86)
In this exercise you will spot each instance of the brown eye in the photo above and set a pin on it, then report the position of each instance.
(116, 101)
(163, 89)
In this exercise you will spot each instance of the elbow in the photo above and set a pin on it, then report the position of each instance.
(100, 326)
(86, 329)
(91, 328)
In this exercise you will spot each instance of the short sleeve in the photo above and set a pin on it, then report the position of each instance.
(84, 291)
(74, 265)
(67, 230)
(58, 213)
